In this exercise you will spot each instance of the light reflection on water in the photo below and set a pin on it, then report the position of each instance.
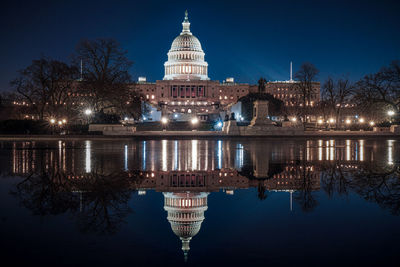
(94, 180)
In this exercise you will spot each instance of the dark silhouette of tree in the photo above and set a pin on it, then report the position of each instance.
(99, 202)
(379, 185)
(337, 94)
(46, 194)
(380, 91)
(105, 202)
(305, 78)
(334, 179)
(106, 79)
(44, 86)
(305, 195)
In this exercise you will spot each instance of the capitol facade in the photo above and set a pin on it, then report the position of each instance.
(186, 89)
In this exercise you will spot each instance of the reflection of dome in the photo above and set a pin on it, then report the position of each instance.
(185, 214)
(186, 57)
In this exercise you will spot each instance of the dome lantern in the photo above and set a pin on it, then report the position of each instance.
(186, 25)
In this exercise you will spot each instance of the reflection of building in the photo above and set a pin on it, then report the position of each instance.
(185, 214)
(187, 171)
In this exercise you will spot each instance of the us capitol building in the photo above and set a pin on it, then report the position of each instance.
(186, 90)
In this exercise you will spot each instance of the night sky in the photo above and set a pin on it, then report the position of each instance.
(243, 39)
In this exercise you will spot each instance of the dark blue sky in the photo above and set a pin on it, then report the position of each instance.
(243, 39)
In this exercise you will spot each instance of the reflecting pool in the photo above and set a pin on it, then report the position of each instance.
(203, 202)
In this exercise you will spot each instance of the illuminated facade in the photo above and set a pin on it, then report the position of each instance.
(186, 90)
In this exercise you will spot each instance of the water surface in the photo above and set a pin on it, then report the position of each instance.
(200, 202)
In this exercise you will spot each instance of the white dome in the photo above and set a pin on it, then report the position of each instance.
(186, 42)
(186, 57)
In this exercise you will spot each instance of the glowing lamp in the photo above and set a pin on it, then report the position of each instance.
(195, 121)
(164, 120)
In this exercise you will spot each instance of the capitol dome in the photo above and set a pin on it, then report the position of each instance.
(186, 57)
(185, 214)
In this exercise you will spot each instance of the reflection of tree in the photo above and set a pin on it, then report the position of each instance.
(334, 178)
(45, 194)
(305, 196)
(375, 183)
(99, 202)
(380, 185)
(105, 202)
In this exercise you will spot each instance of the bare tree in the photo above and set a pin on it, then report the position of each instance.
(44, 85)
(106, 77)
(381, 90)
(337, 94)
(305, 78)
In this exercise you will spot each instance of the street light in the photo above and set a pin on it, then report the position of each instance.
(164, 120)
(320, 121)
(348, 121)
(64, 121)
(371, 123)
(361, 120)
(331, 120)
(52, 121)
(390, 113)
(195, 121)
(88, 112)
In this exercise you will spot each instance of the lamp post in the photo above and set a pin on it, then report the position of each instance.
(52, 122)
(88, 112)
(194, 121)
(390, 113)
(164, 121)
